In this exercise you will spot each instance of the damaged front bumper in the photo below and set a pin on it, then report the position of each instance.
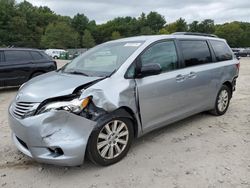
(56, 137)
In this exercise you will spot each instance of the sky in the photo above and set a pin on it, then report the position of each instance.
(103, 10)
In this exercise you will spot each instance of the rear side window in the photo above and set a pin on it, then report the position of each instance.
(195, 52)
(163, 53)
(17, 55)
(36, 55)
(45, 56)
(221, 50)
(1, 56)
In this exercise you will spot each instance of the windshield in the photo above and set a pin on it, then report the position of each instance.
(102, 60)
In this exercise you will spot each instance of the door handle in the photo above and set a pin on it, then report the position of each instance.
(180, 78)
(192, 75)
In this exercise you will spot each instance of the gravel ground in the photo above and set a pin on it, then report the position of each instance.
(200, 151)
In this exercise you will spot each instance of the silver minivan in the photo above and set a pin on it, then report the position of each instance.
(97, 104)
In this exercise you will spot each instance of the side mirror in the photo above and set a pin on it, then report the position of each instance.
(149, 70)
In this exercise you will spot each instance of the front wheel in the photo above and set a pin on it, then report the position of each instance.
(222, 101)
(110, 142)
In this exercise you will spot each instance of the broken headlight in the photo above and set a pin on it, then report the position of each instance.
(75, 105)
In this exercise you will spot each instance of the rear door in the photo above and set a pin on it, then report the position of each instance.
(224, 66)
(197, 69)
(42, 62)
(17, 67)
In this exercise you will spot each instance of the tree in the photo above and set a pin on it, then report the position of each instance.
(194, 27)
(25, 25)
(80, 23)
(179, 26)
(116, 35)
(59, 35)
(7, 11)
(232, 32)
(88, 40)
(163, 31)
(151, 23)
(155, 21)
(207, 26)
(146, 31)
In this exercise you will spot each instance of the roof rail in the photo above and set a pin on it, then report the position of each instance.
(195, 34)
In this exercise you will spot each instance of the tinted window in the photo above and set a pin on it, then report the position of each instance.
(1, 56)
(18, 55)
(221, 50)
(195, 52)
(45, 56)
(163, 53)
(36, 55)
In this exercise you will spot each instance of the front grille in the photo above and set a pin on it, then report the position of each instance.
(20, 109)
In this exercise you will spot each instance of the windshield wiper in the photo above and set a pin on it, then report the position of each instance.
(77, 72)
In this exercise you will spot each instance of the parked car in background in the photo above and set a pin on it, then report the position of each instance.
(244, 53)
(55, 53)
(236, 52)
(117, 91)
(241, 52)
(18, 65)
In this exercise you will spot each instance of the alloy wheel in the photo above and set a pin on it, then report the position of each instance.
(223, 100)
(112, 139)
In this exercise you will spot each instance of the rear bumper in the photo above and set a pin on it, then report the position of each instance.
(40, 136)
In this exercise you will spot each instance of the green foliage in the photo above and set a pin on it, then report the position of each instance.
(146, 31)
(88, 40)
(179, 26)
(230, 31)
(155, 21)
(25, 25)
(163, 31)
(59, 35)
(206, 26)
(116, 35)
(80, 23)
(7, 11)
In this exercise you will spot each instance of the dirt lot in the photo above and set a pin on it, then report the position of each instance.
(201, 151)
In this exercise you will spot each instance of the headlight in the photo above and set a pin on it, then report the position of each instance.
(74, 106)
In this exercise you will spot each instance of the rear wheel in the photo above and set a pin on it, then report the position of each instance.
(222, 101)
(110, 142)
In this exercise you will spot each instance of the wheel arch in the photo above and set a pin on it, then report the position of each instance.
(124, 112)
(38, 71)
(229, 85)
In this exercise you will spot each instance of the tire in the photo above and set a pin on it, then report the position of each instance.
(55, 57)
(222, 101)
(103, 140)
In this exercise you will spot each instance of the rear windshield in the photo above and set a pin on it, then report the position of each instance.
(221, 50)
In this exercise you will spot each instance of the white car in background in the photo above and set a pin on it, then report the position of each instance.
(54, 53)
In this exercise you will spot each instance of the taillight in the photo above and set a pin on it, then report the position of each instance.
(55, 64)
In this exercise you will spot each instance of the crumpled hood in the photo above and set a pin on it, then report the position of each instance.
(52, 84)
